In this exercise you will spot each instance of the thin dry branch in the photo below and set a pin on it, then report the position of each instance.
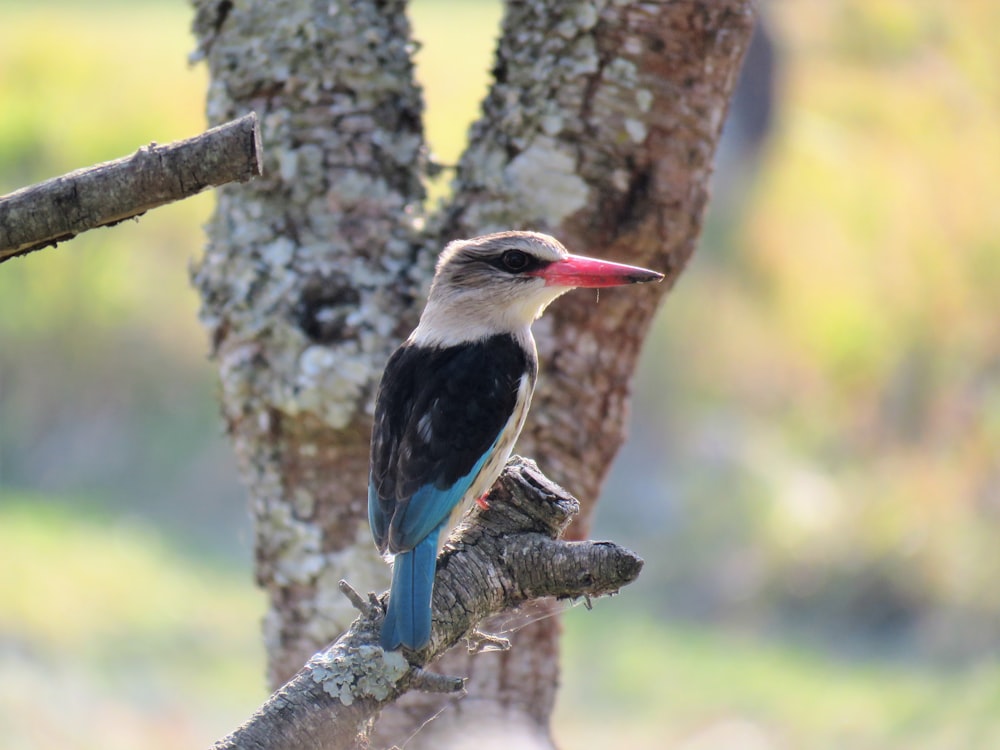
(498, 559)
(102, 195)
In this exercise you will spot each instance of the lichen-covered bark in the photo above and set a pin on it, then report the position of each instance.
(599, 128)
(310, 278)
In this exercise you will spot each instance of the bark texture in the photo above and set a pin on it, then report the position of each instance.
(600, 128)
(312, 276)
(102, 195)
(497, 559)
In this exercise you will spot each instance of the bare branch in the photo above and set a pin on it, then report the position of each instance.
(102, 195)
(354, 597)
(496, 560)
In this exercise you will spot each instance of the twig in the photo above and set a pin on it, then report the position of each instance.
(432, 682)
(354, 597)
(498, 559)
(104, 194)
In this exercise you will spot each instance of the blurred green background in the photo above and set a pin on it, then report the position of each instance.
(813, 474)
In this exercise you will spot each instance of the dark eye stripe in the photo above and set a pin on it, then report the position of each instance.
(516, 261)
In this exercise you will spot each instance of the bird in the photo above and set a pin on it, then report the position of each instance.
(453, 399)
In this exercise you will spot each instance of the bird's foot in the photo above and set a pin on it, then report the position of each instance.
(482, 502)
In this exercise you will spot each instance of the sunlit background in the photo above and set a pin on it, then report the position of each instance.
(813, 474)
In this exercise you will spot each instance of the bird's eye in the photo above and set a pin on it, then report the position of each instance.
(515, 260)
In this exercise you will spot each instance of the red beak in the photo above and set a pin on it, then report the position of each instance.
(579, 271)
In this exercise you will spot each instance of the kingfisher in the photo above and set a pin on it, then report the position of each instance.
(453, 399)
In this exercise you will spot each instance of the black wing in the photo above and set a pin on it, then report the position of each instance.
(438, 412)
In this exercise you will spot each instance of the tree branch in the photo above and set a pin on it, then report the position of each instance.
(104, 194)
(495, 560)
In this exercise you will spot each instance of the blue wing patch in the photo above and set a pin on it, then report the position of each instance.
(430, 506)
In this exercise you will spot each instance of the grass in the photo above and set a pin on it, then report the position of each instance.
(646, 684)
(144, 645)
(111, 638)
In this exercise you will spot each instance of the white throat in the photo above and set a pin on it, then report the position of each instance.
(441, 327)
(444, 323)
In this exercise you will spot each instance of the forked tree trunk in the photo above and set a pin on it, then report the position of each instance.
(600, 128)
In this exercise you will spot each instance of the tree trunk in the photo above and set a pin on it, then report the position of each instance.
(599, 128)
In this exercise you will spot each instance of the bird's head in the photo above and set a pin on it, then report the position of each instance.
(500, 283)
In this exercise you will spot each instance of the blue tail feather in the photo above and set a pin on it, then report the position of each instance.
(408, 618)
